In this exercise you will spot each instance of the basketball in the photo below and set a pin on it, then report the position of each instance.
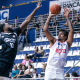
(55, 8)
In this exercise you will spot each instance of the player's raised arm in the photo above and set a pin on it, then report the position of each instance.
(30, 17)
(51, 38)
(71, 33)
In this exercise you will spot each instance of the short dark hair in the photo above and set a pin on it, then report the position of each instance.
(24, 65)
(1, 27)
(78, 19)
(26, 54)
(67, 75)
(35, 69)
(31, 65)
(75, 74)
(65, 33)
(16, 17)
(37, 25)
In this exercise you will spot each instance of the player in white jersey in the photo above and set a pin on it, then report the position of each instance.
(58, 49)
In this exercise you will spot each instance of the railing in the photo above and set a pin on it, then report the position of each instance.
(66, 78)
(72, 67)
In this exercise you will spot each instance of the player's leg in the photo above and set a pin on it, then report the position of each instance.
(48, 76)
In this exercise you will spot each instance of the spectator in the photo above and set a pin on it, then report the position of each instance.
(43, 71)
(28, 72)
(79, 12)
(15, 72)
(38, 53)
(13, 25)
(16, 21)
(41, 51)
(49, 25)
(72, 22)
(67, 75)
(34, 21)
(66, 24)
(23, 37)
(40, 19)
(37, 27)
(37, 30)
(41, 27)
(41, 30)
(77, 20)
(20, 67)
(77, 24)
(74, 74)
(6, 21)
(21, 73)
(35, 75)
(55, 24)
(26, 61)
(74, 13)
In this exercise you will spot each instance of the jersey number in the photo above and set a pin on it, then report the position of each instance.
(12, 45)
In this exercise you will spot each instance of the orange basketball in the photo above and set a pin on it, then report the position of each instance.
(55, 8)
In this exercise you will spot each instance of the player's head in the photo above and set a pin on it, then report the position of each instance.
(63, 35)
(5, 28)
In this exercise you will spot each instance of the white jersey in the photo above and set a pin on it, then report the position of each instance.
(57, 58)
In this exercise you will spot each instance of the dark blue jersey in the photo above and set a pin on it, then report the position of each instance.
(8, 46)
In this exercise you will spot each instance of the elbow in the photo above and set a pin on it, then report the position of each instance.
(72, 31)
(45, 29)
(28, 20)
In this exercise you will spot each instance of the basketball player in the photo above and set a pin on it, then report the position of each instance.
(8, 43)
(58, 49)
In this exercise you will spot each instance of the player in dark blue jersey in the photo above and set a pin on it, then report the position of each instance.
(8, 43)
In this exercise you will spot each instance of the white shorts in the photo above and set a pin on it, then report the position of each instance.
(54, 74)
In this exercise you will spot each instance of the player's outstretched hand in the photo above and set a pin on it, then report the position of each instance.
(39, 5)
(66, 12)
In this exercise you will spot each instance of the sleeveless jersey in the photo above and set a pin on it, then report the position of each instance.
(58, 54)
(8, 46)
